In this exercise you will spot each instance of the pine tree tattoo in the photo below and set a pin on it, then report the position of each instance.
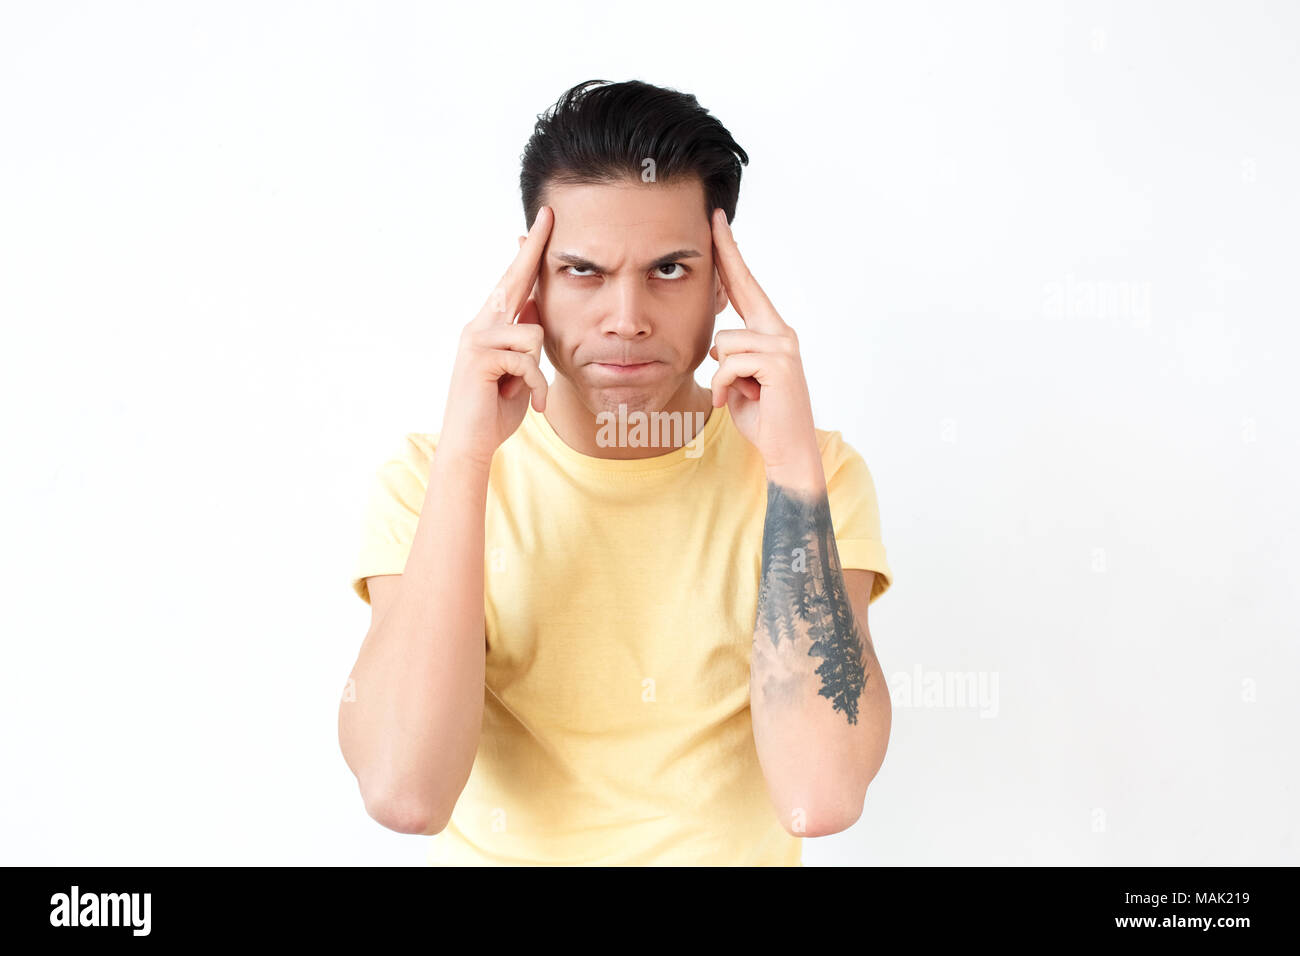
(802, 601)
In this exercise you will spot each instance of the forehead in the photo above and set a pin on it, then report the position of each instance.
(629, 214)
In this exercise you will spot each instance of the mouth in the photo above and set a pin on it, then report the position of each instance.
(624, 367)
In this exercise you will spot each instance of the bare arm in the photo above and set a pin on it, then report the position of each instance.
(410, 729)
(819, 705)
(819, 708)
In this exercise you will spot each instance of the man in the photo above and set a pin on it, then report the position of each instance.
(588, 646)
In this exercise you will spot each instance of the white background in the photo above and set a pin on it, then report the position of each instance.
(1040, 257)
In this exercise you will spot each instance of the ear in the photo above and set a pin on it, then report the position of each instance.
(719, 293)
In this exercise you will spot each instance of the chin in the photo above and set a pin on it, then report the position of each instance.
(634, 399)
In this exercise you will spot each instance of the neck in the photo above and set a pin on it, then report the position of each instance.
(587, 432)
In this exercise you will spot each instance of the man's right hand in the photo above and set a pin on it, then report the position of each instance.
(497, 362)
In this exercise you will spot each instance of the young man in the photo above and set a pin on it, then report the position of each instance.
(588, 646)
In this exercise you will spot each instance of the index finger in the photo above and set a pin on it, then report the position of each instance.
(508, 297)
(751, 302)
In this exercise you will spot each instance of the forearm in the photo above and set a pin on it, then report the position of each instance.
(818, 701)
(412, 731)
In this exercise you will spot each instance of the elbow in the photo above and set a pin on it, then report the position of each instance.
(822, 821)
(837, 822)
(828, 813)
(403, 812)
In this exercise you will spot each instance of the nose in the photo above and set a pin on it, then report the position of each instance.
(626, 317)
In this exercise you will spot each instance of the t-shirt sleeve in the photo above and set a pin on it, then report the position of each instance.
(393, 511)
(855, 514)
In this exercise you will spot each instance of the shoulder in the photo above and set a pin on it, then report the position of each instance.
(826, 438)
(835, 450)
(419, 445)
(847, 473)
(404, 472)
(414, 450)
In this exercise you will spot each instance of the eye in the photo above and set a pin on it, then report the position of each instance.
(674, 265)
(580, 272)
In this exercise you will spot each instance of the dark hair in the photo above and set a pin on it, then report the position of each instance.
(602, 132)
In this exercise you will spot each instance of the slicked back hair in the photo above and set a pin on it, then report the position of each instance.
(602, 132)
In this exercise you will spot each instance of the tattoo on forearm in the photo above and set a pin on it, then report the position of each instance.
(804, 610)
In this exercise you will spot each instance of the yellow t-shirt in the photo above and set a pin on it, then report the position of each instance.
(620, 598)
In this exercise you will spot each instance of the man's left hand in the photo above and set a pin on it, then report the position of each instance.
(760, 374)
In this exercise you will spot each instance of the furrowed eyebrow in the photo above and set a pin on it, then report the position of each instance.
(664, 260)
